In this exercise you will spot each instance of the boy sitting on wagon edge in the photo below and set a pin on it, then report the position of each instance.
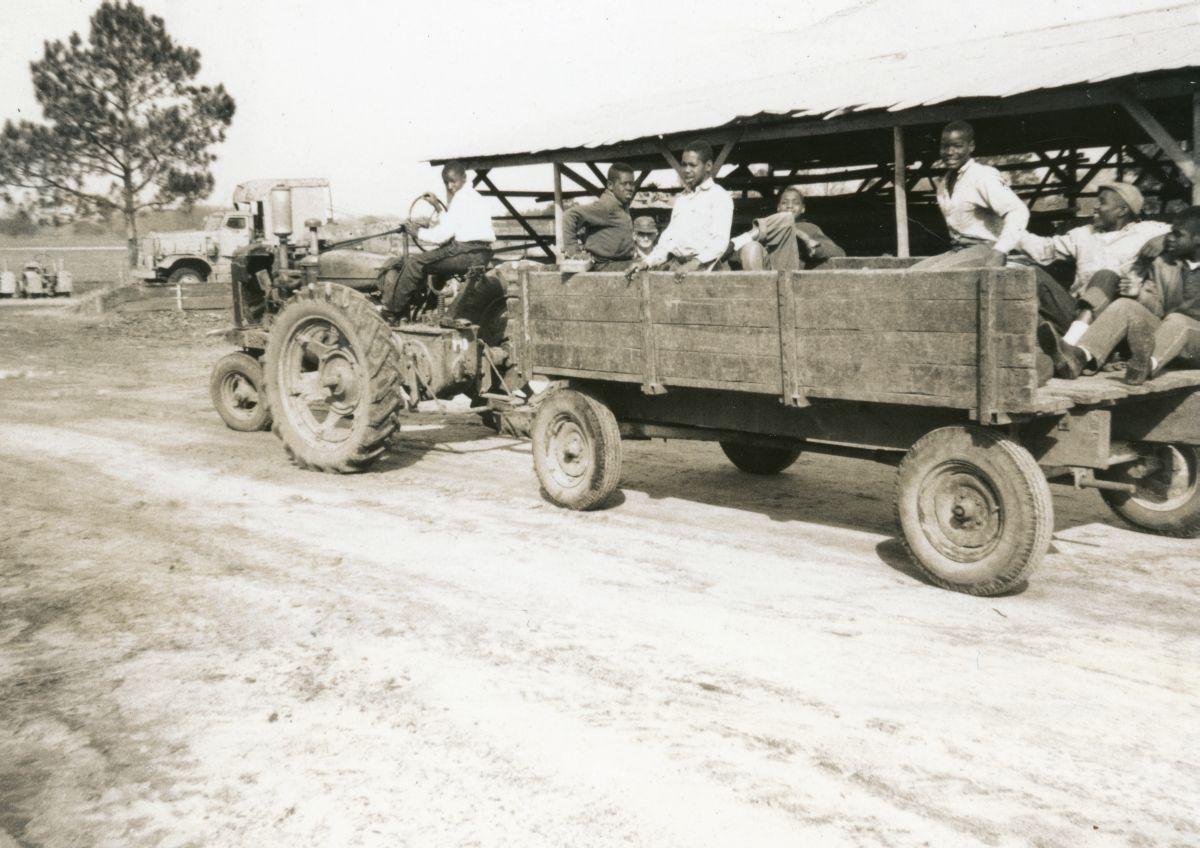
(785, 241)
(1160, 316)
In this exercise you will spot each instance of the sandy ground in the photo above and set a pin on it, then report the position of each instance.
(201, 645)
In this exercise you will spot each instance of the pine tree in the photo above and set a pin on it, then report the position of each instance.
(125, 128)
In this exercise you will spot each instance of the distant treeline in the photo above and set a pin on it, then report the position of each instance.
(20, 223)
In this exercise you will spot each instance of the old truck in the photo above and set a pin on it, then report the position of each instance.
(197, 256)
(933, 372)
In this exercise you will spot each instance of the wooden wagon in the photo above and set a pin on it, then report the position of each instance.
(933, 371)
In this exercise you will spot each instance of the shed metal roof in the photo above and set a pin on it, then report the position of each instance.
(1091, 51)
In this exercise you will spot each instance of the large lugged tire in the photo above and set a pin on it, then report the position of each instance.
(332, 374)
(237, 393)
(974, 509)
(754, 459)
(576, 449)
(1167, 501)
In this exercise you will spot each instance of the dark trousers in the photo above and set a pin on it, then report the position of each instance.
(1055, 303)
(452, 257)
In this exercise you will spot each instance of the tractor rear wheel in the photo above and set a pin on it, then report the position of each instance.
(974, 509)
(332, 374)
(237, 393)
(576, 449)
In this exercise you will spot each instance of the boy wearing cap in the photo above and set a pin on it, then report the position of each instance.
(1104, 251)
(645, 236)
(1160, 316)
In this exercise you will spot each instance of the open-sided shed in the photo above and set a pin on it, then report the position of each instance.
(1064, 106)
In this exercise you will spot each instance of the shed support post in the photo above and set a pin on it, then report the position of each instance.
(901, 193)
(1196, 146)
(558, 212)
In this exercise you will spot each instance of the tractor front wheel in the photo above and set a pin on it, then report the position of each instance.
(237, 393)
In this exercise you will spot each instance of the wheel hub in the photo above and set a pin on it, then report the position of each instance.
(569, 449)
(962, 513)
(337, 375)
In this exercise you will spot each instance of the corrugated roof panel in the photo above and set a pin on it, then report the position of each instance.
(997, 66)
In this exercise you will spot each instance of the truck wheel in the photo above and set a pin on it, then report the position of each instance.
(576, 449)
(186, 276)
(332, 374)
(237, 393)
(1167, 500)
(974, 509)
(754, 459)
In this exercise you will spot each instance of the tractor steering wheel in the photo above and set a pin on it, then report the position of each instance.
(434, 203)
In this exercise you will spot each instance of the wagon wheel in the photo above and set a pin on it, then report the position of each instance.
(1167, 498)
(237, 393)
(576, 449)
(974, 509)
(332, 374)
(763, 460)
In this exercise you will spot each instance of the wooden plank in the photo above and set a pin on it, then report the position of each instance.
(587, 373)
(650, 381)
(731, 386)
(916, 347)
(789, 387)
(986, 377)
(717, 313)
(624, 360)
(594, 308)
(946, 316)
(526, 358)
(754, 341)
(619, 334)
(830, 377)
(722, 367)
(219, 302)
(723, 285)
(559, 238)
(587, 283)
(871, 284)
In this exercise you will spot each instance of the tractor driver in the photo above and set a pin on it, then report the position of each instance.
(464, 235)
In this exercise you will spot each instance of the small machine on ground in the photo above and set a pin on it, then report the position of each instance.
(40, 277)
(933, 372)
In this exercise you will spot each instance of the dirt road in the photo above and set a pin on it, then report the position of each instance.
(200, 645)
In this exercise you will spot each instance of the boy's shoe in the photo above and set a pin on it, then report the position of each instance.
(1069, 361)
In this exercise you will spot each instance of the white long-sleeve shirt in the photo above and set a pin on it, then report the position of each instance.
(1093, 250)
(699, 228)
(467, 218)
(982, 209)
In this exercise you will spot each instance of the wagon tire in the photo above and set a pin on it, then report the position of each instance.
(974, 510)
(1167, 501)
(333, 378)
(237, 391)
(576, 450)
(763, 460)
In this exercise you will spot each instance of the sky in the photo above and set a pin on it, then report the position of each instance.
(361, 92)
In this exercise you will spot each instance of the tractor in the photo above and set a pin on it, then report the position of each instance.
(319, 364)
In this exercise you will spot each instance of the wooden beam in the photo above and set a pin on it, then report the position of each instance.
(582, 182)
(559, 238)
(601, 179)
(726, 149)
(1159, 134)
(670, 157)
(901, 192)
(641, 180)
(534, 234)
